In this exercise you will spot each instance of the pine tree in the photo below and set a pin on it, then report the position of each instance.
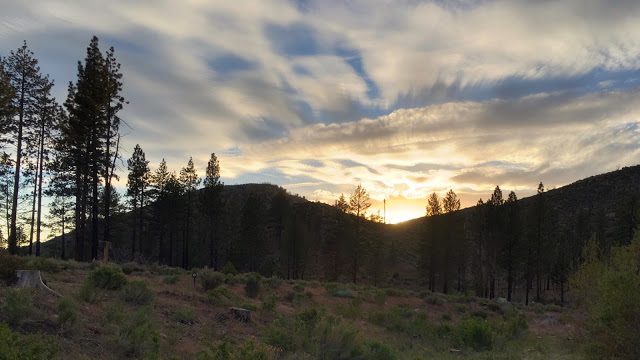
(510, 253)
(114, 103)
(450, 204)
(433, 205)
(189, 181)
(27, 86)
(211, 206)
(138, 178)
(341, 204)
(359, 203)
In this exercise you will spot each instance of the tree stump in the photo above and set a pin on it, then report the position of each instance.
(241, 314)
(32, 279)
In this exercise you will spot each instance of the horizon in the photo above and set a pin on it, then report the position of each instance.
(316, 99)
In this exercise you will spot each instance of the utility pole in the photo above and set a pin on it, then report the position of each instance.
(384, 211)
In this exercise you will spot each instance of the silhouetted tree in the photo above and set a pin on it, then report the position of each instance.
(137, 182)
(359, 203)
(211, 206)
(27, 85)
(189, 181)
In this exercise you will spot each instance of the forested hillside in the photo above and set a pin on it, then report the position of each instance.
(260, 227)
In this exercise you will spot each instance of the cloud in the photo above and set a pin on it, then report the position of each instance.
(407, 97)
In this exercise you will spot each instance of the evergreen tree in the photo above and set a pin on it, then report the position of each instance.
(509, 255)
(27, 84)
(450, 204)
(138, 179)
(359, 203)
(189, 181)
(433, 205)
(211, 207)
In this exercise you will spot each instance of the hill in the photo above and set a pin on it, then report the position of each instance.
(296, 238)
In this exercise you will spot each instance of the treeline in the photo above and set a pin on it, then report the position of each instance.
(503, 248)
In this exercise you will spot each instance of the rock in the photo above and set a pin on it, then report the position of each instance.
(241, 314)
(501, 300)
(33, 279)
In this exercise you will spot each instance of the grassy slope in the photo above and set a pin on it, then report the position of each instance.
(186, 321)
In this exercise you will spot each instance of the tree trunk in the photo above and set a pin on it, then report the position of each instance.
(41, 157)
(33, 208)
(13, 235)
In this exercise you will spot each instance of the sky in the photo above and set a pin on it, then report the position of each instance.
(405, 97)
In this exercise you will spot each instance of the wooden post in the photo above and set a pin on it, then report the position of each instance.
(105, 257)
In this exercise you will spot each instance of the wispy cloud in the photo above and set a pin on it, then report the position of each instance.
(406, 97)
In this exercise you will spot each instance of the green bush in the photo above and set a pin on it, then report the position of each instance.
(108, 277)
(273, 282)
(475, 334)
(252, 286)
(131, 267)
(608, 290)
(269, 304)
(298, 288)
(137, 292)
(211, 279)
(342, 293)
(350, 310)
(171, 279)
(89, 293)
(14, 346)
(137, 336)
(320, 337)
(18, 305)
(513, 324)
(219, 296)
(8, 266)
(378, 351)
(403, 320)
(184, 316)
(249, 350)
(229, 269)
(67, 313)
(44, 264)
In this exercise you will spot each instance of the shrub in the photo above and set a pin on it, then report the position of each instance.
(608, 290)
(137, 292)
(378, 351)
(171, 279)
(351, 310)
(273, 282)
(211, 279)
(8, 266)
(403, 320)
(229, 269)
(219, 296)
(249, 350)
(269, 304)
(67, 313)
(16, 346)
(433, 300)
(342, 292)
(137, 337)
(18, 305)
(184, 316)
(298, 288)
(514, 323)
(252, 287)
(89, 293)
(131, 267)
(107, 277)
(476, 334)
(43, 264)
